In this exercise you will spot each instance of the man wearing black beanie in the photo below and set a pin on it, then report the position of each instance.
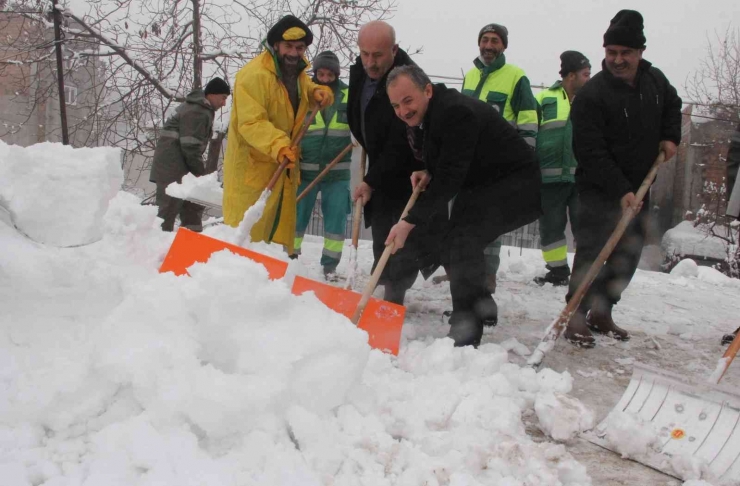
(622, 119)
(182, 141)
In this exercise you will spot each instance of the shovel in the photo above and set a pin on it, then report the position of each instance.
(326, 170)
(383, 321)
(356, 222)
(370, 287)
(557, 327)
(255, 211)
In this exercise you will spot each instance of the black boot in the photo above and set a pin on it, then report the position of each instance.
(577, 332)
(728, 338)
(330, 273)
(466, 329)
(599, 320)
(487, 311)
(557, 276)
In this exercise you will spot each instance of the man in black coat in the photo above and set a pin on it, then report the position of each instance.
(385, 189)
(475, 162)
(622, 118)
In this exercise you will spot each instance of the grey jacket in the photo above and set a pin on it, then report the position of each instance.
(182, 140)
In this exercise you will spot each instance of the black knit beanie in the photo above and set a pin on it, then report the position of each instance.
(327, 60)
(217, 86)
(497, 29)
(289, 28)
(572, 62)
(626, 29)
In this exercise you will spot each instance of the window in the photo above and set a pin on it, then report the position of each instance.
(70, 95)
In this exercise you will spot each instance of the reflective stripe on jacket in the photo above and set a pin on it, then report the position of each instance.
(507, 88)
(322, 143)
(555, 137)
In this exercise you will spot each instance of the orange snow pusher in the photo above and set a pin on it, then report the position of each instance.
(381, 320)
(190, 247)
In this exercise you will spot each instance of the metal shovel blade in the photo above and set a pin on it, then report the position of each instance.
(696, 419)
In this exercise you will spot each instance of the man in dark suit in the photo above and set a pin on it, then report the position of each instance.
(385, 189)
(477, 167)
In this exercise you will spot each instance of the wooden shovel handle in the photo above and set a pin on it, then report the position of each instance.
(730, 354)
(294, 142)
(357, 216)
(370, 287)
(326, 170)
(562, 323)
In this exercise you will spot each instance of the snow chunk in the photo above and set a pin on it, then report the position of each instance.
(686, 239)
(56, 194)
(518, 348)
(206, 188)
(629, 435)
(714, 276)
(562, 417)
(686, 268)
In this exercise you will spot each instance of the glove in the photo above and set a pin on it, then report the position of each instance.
(323, 96)
(290, 153)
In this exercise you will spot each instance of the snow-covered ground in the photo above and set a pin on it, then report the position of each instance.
(114, 374)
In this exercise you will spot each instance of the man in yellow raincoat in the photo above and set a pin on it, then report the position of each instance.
(272, 94)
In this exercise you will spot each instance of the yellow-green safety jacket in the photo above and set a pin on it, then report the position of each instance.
(322, 142)
(507, 88)
(555, 138)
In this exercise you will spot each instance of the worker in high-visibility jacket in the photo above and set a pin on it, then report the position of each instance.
(506, 87)
(325, 139)
(558, 165)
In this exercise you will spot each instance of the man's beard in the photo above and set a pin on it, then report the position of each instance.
(289, 67)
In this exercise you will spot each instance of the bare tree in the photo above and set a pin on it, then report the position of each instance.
(146, 55)
(716, 84)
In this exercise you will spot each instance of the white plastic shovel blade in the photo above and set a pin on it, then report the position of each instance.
(696, 420)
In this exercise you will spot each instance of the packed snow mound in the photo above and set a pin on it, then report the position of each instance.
(205, 188)
(561, 417)
(114, 374)
(686, 268)
(56, 194)
(630, 435)
(685, 239)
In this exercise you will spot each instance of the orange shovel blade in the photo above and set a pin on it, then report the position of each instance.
(190, 247)
(381, 320)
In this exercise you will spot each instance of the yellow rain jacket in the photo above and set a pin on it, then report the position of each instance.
(263, 122)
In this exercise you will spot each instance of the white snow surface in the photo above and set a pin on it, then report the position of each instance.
(562, 417)
(205, 188)
(686, 239)
(56, 194)
(114, 374)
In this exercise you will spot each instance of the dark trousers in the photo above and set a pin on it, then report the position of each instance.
(402, 268)
(559, 201)
(597, 219)
(191, 215)
(466, 268)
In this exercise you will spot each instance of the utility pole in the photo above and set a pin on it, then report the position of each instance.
(60, 70)
(197, 61)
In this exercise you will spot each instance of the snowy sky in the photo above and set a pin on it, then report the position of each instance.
(539, 31)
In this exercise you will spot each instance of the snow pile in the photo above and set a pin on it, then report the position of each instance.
(206, 188)
(112, 374)
(56, 194)
(687, 240)
(561, 417)
(629, 435)
(689, 467)
(686, 268)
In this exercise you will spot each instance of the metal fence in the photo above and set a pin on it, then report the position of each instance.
(525, 237)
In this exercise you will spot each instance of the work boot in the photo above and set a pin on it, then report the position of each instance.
(394, 294)
(728, 338)
(557, 276)
(465, 329)
(487, 311)
(491, 283)
(330, 273)
(601, 322)
(577, 332)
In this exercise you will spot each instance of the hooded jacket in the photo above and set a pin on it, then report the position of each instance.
(182, 140)
(262, 123)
